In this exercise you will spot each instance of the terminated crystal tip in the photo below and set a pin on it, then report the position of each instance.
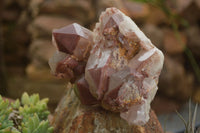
(73, 43)
(122, 70)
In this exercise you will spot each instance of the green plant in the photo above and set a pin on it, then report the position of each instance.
(26, 116)
(190, 124)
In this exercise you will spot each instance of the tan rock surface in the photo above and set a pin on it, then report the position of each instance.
(197, 95)
(43, 25)
(41, 50)
(193, 33)
(136, 10)
(72, 117)
(81, 10)
(155, 34)
(52, 90)
(174, 44)
(175, 81)
(39, 73)
(156, 16)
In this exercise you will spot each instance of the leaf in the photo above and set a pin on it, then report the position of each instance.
(190, 117)
(194, 118)
(190, 125)
(34, 99)
(25, 98)
(16, 104)
(50, 129)
(181, 117)
(45, 100)
(34, 125)
(42, 128)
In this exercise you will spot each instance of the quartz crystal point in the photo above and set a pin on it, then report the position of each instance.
(73, 44)
(84, 94)
(123, 67)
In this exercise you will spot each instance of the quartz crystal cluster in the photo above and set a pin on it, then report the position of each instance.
(73, 45)
(115, 66)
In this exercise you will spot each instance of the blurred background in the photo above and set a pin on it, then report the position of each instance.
(172, 25)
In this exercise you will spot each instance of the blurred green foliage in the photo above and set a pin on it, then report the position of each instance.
(26, 116)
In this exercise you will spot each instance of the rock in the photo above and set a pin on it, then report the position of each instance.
(193, 9)
(34, 7)
(45, 88)
(10, 15)
(193, 34)
(164, 105)
(136, 10)
(196, 96)
(73, 117)
(178, 5)
(174, 81)
(153, 18)
(43, 25)
(198, 3)
(3, 80)
(172, 44)
(18, 3)
(101, 5)
(15, 48)
(8, 3)
(74, 9)
(23, 3)
(39, 73)
(41, 50)
(155, 34)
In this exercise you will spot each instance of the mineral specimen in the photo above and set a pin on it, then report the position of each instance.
(122, 70)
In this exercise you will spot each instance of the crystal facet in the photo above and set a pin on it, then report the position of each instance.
(84, 93)
(71, 38)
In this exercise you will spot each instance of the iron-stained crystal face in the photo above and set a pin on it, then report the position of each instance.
(73, 44)
(71, 38)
